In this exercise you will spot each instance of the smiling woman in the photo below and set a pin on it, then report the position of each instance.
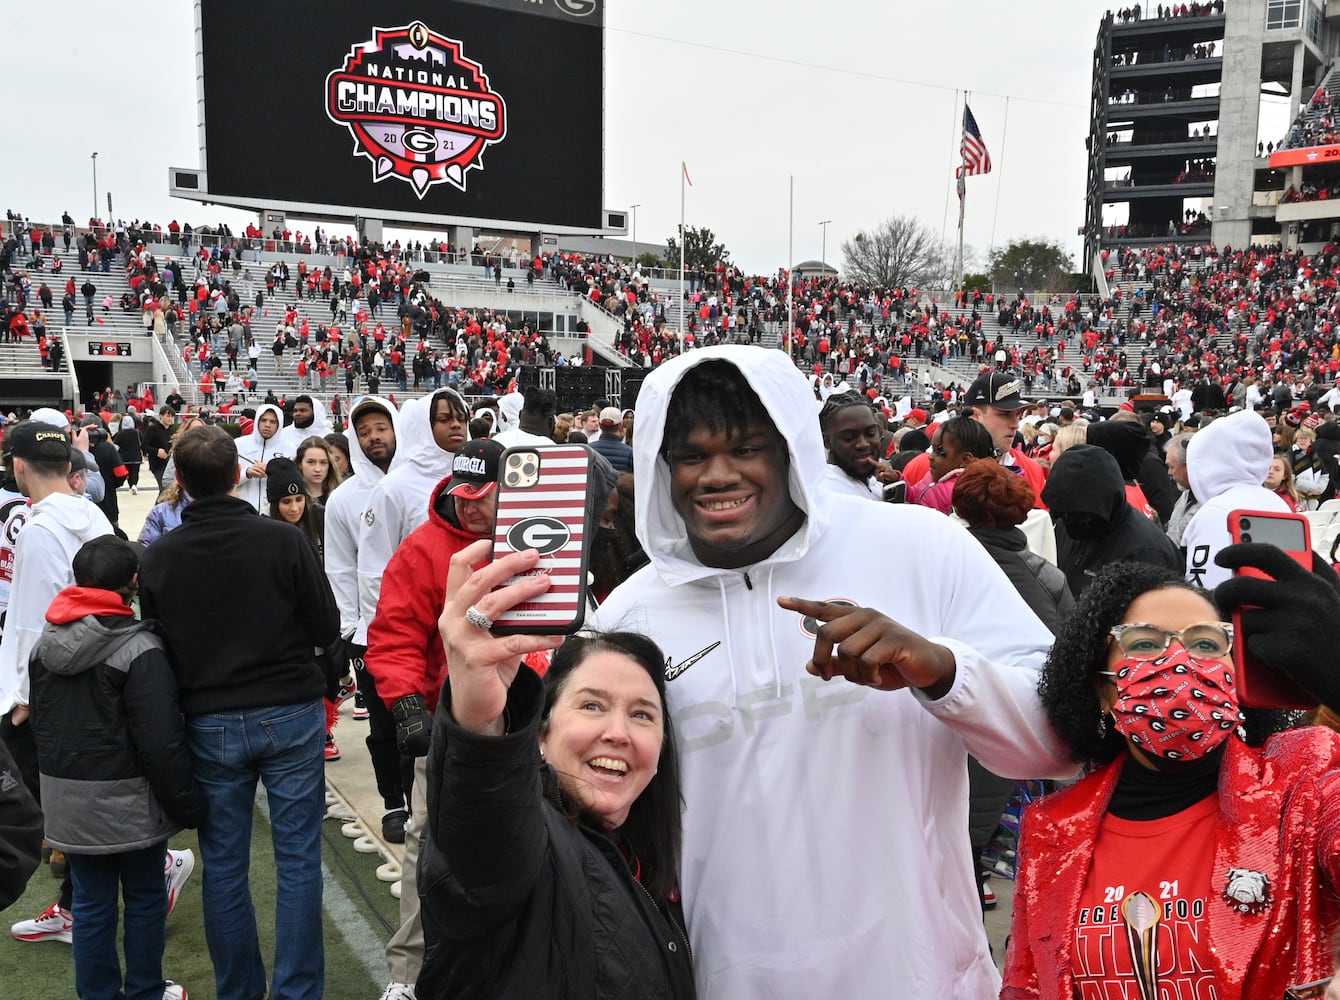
(553, 810)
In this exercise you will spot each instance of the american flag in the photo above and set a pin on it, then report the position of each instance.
(976, 160)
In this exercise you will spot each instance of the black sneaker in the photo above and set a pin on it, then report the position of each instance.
(393, 826)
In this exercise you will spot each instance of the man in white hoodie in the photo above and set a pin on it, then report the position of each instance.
(826, 849)
(255, 450)
(1226, 464)
(372, 453)
(60, 521)
(309, 420)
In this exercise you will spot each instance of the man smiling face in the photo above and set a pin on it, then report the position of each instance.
(730, 487)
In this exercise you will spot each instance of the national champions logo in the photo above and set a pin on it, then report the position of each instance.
(416, 107)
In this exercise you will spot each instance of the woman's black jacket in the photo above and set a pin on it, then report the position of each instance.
(519, 901)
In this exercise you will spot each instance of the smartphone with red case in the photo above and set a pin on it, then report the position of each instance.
(544, 492)
(1259, 685)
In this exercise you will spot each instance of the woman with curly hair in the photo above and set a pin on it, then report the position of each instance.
(1198, 859)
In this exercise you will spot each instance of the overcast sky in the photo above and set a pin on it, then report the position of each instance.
(854, 98)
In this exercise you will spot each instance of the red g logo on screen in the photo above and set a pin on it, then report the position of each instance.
(416, 107)
(546, 535)
(577, 8)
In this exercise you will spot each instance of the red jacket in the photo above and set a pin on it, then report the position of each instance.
(1279, 815)
(405, 652)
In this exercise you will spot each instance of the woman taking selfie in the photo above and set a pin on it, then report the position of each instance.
(1198, 859)
(549, 867)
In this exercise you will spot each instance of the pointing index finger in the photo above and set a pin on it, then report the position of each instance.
(822, 610)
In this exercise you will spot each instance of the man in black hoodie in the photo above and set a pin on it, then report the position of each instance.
(241, 640)
(1095, 525)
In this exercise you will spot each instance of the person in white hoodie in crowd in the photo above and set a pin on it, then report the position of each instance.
(1226, 464)
(372, 454)
(96, 488)
(309, 420)
(826, 849)
(59, 522)
(430, 431)
(254, 452)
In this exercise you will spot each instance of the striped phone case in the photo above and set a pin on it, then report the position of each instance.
(543, 495)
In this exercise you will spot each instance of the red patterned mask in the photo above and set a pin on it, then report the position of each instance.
(1175, 706)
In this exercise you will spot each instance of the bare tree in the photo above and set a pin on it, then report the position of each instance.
(898, 252)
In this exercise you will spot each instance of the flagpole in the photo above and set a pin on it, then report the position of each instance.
(953, 138)
(683, 176)
(962, 204)
(790, 282)
(1000, 178)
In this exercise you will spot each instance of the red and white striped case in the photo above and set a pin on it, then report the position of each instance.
(544, 506)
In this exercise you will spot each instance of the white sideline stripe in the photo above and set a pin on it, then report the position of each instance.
(358, 935)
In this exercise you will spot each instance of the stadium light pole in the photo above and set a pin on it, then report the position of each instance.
(95, 185)
(823, 251)
(635, 208)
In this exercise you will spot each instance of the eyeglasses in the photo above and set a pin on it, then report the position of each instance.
(1211, 640)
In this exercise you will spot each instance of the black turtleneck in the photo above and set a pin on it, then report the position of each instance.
(1143, 794)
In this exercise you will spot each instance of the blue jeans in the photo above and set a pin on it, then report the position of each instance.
(283, 746)
(98, 880)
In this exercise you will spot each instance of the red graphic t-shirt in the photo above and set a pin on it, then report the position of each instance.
(1142, 932)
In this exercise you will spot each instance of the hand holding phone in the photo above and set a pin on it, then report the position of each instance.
(1273, 555)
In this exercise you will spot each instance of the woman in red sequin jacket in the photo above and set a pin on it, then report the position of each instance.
(1192, 863)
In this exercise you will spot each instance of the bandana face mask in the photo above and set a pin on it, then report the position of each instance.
(1175, 706)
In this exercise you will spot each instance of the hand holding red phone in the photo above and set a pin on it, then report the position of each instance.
(482, 666)
(1287, 621)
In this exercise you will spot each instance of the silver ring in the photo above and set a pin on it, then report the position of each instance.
(478, 619)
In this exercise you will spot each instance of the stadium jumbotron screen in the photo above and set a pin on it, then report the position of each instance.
(418, 111)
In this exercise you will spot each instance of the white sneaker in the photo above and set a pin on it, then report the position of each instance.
(177, 869)
(398, 991)
(173, 991)
(56, 924)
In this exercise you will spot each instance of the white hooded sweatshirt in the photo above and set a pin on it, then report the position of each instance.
(43, 556)
(1226, 464)
(344, 522)
(826, 847)
(399, 503)
(254, 448)
(293, 435)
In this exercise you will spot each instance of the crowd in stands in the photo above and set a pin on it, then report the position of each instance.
(1132, 14)
(1315, 124)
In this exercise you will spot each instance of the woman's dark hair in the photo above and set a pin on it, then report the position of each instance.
(971, 435)
(914, 441)
(987, 495)
(1066, 686)
(654, 827)
(715, 395)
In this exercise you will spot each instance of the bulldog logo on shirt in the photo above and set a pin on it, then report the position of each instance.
(416, 107)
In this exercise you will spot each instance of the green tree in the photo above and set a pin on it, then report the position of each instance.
(651, 260)
(701, 249)
(899, 252)
(1031, 265)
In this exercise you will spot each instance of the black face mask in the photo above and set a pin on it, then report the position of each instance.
(1082, 527)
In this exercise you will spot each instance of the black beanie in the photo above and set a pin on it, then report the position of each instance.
(283, 479)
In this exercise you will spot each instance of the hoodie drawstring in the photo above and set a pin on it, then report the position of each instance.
(730, 646)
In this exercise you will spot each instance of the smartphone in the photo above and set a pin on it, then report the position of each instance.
(1259, 685)
(896, 492)
(544, 496)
